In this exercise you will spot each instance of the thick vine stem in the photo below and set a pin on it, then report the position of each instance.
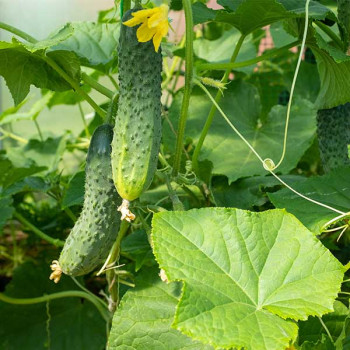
(57, 271)
(18, 32)
(126, 213)
(97, 86)
(188, 84)
(55, 241)
(72, 293)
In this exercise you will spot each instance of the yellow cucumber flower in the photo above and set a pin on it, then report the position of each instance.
(155, 24)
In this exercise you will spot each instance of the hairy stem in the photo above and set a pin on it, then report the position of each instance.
(55, 241)
(96, 85)
(188, 85)
(75, 85)
(18, 32)
(67, 294)
(112, 277)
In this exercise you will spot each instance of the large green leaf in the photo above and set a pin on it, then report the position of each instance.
(10, 174)
(25, 65)
(332, 189)
(228, 153)
(61, 324)
(246, 275)
(94, 43)
(220, 50)
(249, 15)
(143, 319)
(248, 192)
(334, 70)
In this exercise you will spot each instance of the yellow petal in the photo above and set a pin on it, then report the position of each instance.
(133, 22)
(144, 13)
(159, 16)
(144, 33)
(163, 28)
(156, 41)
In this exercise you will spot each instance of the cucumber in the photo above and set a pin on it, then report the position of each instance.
(344, 19)
(94, 233)
(333, 131)
(137, 131)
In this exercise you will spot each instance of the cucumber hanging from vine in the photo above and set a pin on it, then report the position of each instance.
(344, 19)
(333, 131)
(333, 125)
(137, 132)
(94, 233)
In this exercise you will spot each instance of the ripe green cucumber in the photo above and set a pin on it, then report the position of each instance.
(344, 18)
(94, 233)
(333, 131)
(137, 131)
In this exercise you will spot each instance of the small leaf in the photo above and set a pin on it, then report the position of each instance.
(233, 294)
(312, 329)
(10, 174)
(74, 195)
(45, 153)
(6, 211)
(32, 114)
(143, 319)
(334, 70)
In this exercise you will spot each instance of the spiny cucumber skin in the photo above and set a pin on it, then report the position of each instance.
(94, 233)
(344, 16)
(333, 131)
(137, 132)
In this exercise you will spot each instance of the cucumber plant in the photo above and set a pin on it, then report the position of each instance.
(240, 240)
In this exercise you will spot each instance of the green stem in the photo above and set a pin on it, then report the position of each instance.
(113, 285)
(70, 214)
(39, 130)
(188, 85)
(87, 132)
(112, 109)
(45, 298)
(113, 81)
(233, 65)
(74, 84)
(330, 33)
(125, 6)
(96, 85)
(55, 241)
(18, 32)
(13, 136)
(177, 204)
(213, 107)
